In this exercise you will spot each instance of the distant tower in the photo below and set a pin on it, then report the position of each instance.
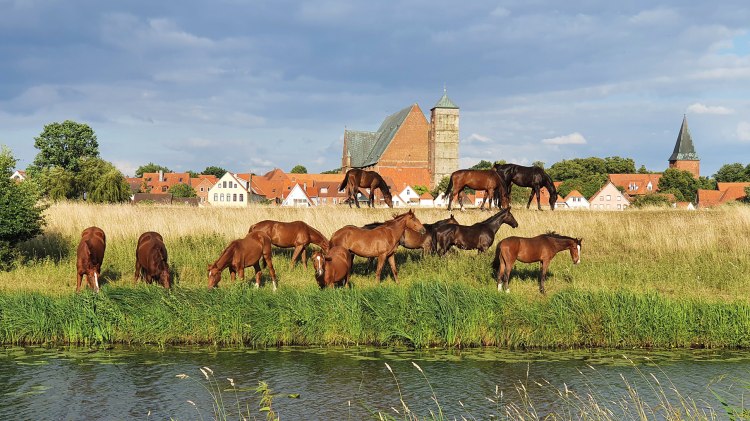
(684, 156)
(443, 139)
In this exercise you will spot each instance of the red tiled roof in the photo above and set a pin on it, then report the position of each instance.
(636, 184)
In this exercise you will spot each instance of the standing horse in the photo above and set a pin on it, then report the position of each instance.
(295, 234)
(414, 240)
(89, 256)
(242, 253)
(533, 177)
(479, 236)
(487, 180)
(541, 248)
(380, 242)
(151, 259)
(356, 179)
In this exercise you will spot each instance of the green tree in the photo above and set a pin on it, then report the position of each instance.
(539, 164)
(110, 188)
(20, 213)
(420, 189)
(587, 185)
(192, 174)
(299, 169)
(151, 167)
(567, 169)
(482, 165)
(182, 190)
(731, 173)
(618, 165)
(64, 145)
(747, 195)
(643, 170)
(441, 186)
(501, 162)
(681, 181)
(218, 172)
(57, 183)
(654, 199)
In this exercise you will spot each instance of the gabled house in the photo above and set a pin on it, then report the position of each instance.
(297, 197)
(409, 196)
(636, 184)
(575, 200)
(202, 184)
(18, 176)
(426, 199)
(609, 198)
(230, 190)
(725, 193)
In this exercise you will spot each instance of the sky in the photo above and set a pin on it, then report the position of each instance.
(254, 85)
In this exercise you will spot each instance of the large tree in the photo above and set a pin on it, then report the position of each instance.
(482, 165)
(585, 167)
(20, 213)
(680, 183)
(151, 167)
(64, 145)
(182, 190)
(729, 173)
(218, 172)
(299, 169)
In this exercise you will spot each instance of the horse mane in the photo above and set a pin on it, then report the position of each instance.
(553, 234)
(383, 185)
(549, 184)
(343, 184)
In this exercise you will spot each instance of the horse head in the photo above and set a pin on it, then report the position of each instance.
(509, 219)
(214, 275)
(413, 223)
(575, 250)
(165, 277)
(387, 197)
(552, 199)
(318, 259)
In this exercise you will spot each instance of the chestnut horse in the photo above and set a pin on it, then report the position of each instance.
(151, 259)
(414, 240)
(332, 267)
(295, 234)
(380, 242)
(240, 254)
(89, 256)
(541, 248)
(356, 179)
(533, 177)
(487, 180)
(479, 236)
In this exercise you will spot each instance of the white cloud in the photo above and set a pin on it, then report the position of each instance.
(570, 139)
(743, 131)
(477, 138)
(660, 16)
(699, 108)
(126, 167)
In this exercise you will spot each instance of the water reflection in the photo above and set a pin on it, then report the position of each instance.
(65, 383)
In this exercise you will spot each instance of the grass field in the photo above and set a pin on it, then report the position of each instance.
(686, 272)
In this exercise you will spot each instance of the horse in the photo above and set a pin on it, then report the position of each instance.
(487, 180)
(332, 267)
(380, 242)
(541, 248)
(479, 236)
(295, 234)
(533, 177)
(414, 240)
(89, 256)
(240, 254)
(356, 178)
(151, 259)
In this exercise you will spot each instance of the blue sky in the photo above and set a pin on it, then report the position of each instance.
(250, 86)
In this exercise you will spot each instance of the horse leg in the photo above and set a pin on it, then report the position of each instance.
(137, 271)
(500, 275)
(543, 275)
(538, 191)
(381, 263)
(304, 255)
(78, 282)
(295, 255)
(509, 262)
(271, 270)
(392, 262)
(530, 198)
(258, 274)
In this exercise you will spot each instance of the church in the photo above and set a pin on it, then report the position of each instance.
(406, 147)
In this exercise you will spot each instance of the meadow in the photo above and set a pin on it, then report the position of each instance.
(658, 277)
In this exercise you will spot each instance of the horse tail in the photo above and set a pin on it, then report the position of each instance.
(342, 186)
(450, 186)
(496, 261)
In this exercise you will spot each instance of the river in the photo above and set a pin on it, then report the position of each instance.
(354, 383)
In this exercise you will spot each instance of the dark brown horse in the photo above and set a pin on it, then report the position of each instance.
(479, 236)
(332, 267)
(89, 256)
(295, 234)
(356, 179)
(414, 240)
(151, 259)
(533, 177)
(380, 242)
(240, 254)
(487, 180)
(541, 248)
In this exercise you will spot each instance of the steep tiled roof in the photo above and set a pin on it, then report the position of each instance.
(683, 148)
(365, 148)
(445, 102)
(727, 186)
(636, 184)
(728, 192)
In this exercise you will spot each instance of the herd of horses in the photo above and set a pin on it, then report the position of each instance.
(379, 240)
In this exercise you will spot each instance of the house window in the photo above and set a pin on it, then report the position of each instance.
(619, 206)
(234, 197)
(216, 197)
(235, 185)
(649, 187)
(300, 202)
(201, 188)
(607, 205)
(609, 197)
(323, 190)
(619, 198)
(601, 198)
(242, 197)
(180, 179)
(163, 189)
(221, 197)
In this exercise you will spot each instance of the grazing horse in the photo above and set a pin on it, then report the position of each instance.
(356, 179)
(240, 254)
(541, 248)
(487, 180)
(89, 257)
(332, 267)
(295, 234)
(479, 236)
(533, 177)
(414, 240)
(380, 242)
(151, 259)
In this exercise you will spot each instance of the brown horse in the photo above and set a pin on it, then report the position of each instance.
(487, 180)
(414, 240)
(332, 267)
(479, 236)
(356, 179)
(380, 242)
(295, 234)
(533, 177)
(151, 259)
(541, 248)
(240, 254)
(89, 256)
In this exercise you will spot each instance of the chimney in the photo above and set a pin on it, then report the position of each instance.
(304, 186)
(161, 176)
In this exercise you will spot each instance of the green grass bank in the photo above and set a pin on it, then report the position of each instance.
(420, 314)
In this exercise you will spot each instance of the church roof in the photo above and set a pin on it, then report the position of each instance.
(365, 148)
(684, 149)
(445, 102)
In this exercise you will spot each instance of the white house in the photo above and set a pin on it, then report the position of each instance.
(440, 201)
(297, 198)
(230, 190)
(409, 196)
(19, 175)
(575, 200)
(609, 198)
(426, 199)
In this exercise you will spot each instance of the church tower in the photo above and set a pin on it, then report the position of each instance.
(684, 156)
(443, 139)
